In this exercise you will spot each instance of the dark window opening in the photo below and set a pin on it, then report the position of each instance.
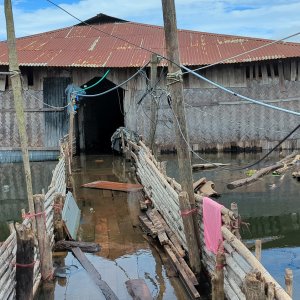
(259, 71)
(99, 117)
(247, 71)
(30, 77)
(269, 70)
(276, 72)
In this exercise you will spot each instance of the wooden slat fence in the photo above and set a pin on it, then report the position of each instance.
(164, 193)
(9, 246)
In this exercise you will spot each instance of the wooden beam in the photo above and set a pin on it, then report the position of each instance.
(24, 262)
(104, 287)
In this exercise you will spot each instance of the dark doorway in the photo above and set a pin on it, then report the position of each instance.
(99, 117)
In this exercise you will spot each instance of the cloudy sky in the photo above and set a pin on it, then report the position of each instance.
(272, 19)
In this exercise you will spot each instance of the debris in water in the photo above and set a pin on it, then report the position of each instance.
(115, 186)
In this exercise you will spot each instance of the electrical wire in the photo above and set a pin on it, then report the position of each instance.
(116, 87)
(153, 52)
(96, 83)
(246, 52)
(231, 169)
(239, 95)
(46, 104)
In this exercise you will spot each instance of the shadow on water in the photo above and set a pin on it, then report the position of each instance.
(271, 206)
(110, 218)
(13, 195)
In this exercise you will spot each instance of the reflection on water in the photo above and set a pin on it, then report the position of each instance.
(110, 218)
(13, 196)
(271, 206)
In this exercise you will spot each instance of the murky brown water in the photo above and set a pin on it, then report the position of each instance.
(111, 219)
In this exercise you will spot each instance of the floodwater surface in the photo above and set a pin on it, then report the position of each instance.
(270, 207)
(110, 218)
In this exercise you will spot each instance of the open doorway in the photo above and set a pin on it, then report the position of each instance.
(99, 117)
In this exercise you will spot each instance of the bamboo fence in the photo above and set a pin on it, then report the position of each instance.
(164, 193)
(9, 247)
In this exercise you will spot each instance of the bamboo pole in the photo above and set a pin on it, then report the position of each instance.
(258, 250)
(24, 262)
(280, 293)
(218, 277)
(289, 281)
(18, 99)
(43, 238)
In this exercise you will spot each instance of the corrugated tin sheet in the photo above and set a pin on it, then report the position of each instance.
(83, 46)
(71, 215)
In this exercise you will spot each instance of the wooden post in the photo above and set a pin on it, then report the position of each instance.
(258, 249)
(236, 224)
(153, 116)
(289, 282)
(177, 105)
(18, 98)
(254, 287)
(71, 131)
(57, 217)
(24, 262)
(218, 277)
(43, 238)
(189, 231)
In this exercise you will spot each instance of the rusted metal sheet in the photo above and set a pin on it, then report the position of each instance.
(115, 186)
(83, 46)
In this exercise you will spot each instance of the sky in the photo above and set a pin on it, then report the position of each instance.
(271, 19)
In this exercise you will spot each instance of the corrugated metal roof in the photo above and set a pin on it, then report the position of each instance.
(83, 46)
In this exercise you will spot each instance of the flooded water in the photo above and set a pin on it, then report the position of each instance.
(271, 206)
(13, 189)
(111, 219)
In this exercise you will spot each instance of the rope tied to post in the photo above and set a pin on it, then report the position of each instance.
(33, 215)
(30, 265)
(186, 213)
(174, 77)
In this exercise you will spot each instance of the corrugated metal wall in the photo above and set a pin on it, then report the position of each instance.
(56, 123)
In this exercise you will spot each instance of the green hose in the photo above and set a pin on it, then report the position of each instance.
(103, 77)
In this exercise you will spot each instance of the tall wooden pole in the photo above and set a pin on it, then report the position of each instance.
(153, 118)
(18, 97)
(184, 159)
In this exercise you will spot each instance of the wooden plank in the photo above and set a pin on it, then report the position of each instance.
(264, 73)
(104, 287)
(138, 289)
(84, 246)
(115, 186)
(293, 70)
(188, 284)
(148, 225)
(173, 238)
(161, 234)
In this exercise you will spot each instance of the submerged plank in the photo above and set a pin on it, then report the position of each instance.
(104, 287)
(84, 246)
(115, 186)
(138, 289)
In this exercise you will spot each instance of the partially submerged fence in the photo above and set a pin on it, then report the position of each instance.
(241, 268)
(10, 264)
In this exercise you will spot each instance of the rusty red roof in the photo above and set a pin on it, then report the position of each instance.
(83, 46)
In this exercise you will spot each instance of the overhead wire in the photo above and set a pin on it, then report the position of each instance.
(117, 86)
(153, 52)
(225, 168)
(194, 73)
(245, 52)
(239, 95)
(181, 66)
